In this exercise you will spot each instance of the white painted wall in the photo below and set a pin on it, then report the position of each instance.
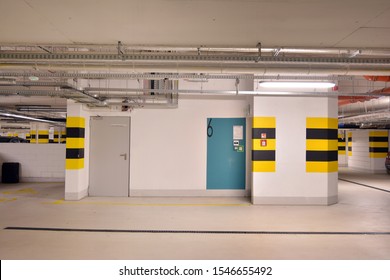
(290, 184)
(38, 162)
(168, 147)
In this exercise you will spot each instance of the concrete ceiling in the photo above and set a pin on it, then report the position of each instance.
(244, 23)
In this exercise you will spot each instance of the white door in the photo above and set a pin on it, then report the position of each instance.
(109, 156)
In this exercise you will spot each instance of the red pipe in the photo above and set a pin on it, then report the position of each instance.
(378, 78)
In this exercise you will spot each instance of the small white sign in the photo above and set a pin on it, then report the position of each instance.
(238, 132)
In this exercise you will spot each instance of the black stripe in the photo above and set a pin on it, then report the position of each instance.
(378, 150)
(349, 139)
(368, 186)
(74, 153)
(43, 136)
(256, 133)
(51, 141)
(55, 136)
(204, 231)
(378, 139)
(75, 132)
(341, 148)
(321, 155)
(317, 133)
(341, 139)
(263, 155)
(349, 149)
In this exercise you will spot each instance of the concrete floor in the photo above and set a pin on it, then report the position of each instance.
(360, 209)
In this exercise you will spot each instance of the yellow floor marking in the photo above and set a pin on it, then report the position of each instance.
(7, 199)
(22, 191)
(59, 202)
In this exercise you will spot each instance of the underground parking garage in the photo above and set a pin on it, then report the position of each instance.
(217, 142)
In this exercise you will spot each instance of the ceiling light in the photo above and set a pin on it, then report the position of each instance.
(33, 78)
(297, 84)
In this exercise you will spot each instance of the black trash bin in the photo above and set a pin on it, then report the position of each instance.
(10, 172)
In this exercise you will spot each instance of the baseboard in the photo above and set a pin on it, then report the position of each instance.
(41, 179)
(185, 193)
(295, 200)
(76, 195)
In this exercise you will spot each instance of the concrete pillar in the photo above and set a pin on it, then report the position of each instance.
(43, 133)
(77, 167)
(369, 148)
(342, 153)
(34, 133)
(294, 150)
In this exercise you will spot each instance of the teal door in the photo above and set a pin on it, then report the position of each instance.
(226, 153)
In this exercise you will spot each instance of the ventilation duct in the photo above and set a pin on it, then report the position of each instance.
(160, 85)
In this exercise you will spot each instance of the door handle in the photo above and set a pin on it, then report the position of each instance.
(123, 155)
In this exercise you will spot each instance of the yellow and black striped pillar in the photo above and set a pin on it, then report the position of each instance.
(264, 144)
(75, 133)
(56, 137)
(321, 145)
(43, 136)
(33, 136)
(349, 144)
(341, 141)
(63, 137)
(28, 137)
(379, 144)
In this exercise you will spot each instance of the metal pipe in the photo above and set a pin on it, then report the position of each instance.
(359, 108)
(256, 69)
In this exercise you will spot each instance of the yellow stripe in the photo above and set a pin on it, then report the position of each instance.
(75, 122)
(349, 134)
(43, 132)
(256, 145)
(75, 143)
(379, 133)
(349, 153)
(378, 155)
(341, 144)
(341, 152)
(77, 163)
(379, 144)
(331, 123)
(264, 122)
(321, 167)
(321, 145)
(263, 166)
(349, 144)
(43, 141)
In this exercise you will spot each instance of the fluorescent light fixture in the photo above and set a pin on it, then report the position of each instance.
(297, 84)
(33, 78)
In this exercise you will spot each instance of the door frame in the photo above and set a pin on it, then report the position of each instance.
(89, 148)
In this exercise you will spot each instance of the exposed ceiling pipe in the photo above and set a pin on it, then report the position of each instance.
(25, 117)
(256, 69)
(377, 78)
(358, 108)
(207, 49)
